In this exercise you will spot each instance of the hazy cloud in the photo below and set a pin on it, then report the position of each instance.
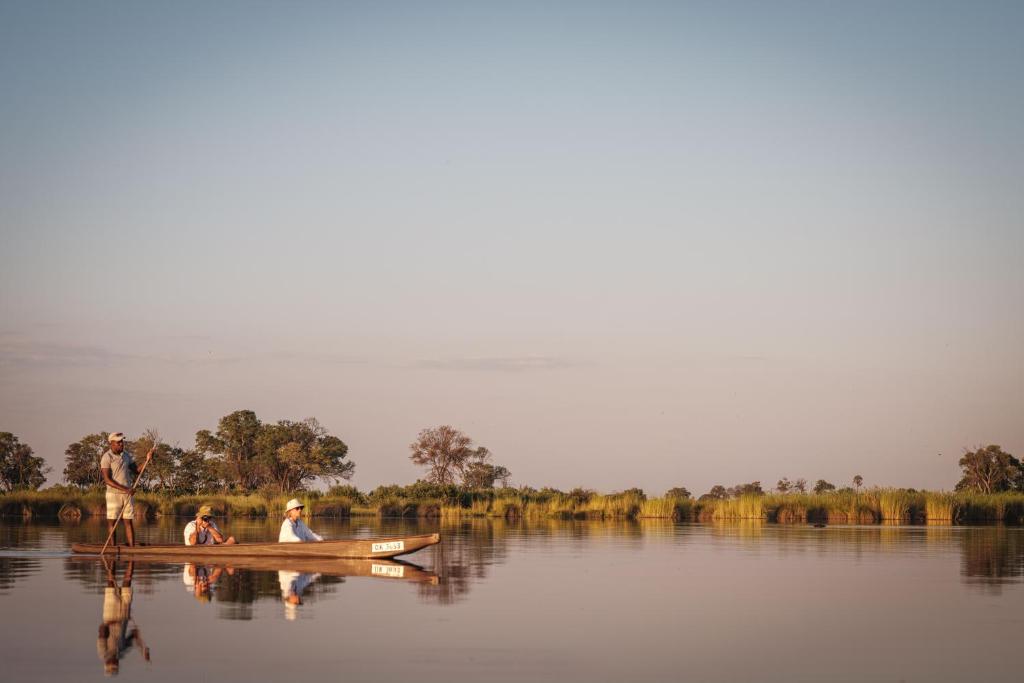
(507, 364)
(28, 353)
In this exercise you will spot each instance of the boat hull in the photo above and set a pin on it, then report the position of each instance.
(355, 548)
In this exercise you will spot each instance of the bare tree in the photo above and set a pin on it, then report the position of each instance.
(446, 452)
(784, 485)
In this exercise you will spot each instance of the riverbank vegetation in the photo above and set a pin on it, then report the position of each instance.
(425, 500)
(250, 468)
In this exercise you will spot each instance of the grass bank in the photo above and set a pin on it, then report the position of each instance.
(423, 501)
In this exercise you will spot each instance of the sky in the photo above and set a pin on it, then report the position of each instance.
(619, 244)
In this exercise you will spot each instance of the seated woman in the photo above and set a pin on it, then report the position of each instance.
(293, 530)
(203, 530)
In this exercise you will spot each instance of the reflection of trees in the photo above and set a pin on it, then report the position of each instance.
(466, 551)
(14, 568)
(470, 546)
(992, 557)
(90, 572)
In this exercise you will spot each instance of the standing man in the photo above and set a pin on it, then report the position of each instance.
(119, 471)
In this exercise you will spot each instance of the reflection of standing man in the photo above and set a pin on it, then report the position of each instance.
(114, 639)
(119, 471)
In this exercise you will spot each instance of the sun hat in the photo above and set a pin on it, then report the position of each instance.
(292, 504)
(205, 511)
(116, 436)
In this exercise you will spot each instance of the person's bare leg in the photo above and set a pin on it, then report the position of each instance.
(110, 530)
(129, 532)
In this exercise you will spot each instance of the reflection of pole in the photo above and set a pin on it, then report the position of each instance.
(131, 493)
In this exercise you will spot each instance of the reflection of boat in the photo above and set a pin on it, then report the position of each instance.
(388, 569)
(355, 548)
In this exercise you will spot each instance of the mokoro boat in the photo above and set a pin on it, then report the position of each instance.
(354, 548)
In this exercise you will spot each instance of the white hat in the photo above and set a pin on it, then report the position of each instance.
(292, 504)
(116, 436)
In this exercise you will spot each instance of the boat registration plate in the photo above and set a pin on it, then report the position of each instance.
(387, 546)
(385, 570)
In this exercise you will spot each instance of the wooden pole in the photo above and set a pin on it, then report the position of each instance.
(138, 480)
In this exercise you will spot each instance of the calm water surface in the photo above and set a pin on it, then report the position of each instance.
(566, 601)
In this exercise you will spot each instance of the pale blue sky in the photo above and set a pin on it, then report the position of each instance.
(618, 243)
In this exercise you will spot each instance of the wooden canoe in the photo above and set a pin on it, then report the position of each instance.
(354, 548)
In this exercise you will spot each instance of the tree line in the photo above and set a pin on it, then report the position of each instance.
(245, 454)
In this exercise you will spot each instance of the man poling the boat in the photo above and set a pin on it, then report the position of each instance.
(293, 529)
(118, 471)
(203, 530)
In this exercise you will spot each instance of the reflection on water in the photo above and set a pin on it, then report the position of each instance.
(118, 633)
(14, 568)
(498, 600)
(992, 557)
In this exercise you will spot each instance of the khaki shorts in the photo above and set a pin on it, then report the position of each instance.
(117, 604)
(115, 499)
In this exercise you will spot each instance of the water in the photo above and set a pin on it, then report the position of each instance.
(559, 601)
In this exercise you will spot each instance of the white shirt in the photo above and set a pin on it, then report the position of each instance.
(203, 537)
(118, 464)
(294, 583)
(296, 532)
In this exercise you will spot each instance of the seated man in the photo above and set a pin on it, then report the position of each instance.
(293, 530)
(203, 530)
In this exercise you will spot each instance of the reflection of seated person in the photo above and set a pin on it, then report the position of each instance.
(114, 638)
(293, 529)
(203, 530)
(293, 584)
(200, 580)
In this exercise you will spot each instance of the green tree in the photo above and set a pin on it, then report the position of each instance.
(194, 473)
(677, 492)
(783, 485)
(753, 488)
(291, 454)
(857, 481)
(445, 452)
(19, 468)
(159, 474)
(821, 486)
(234, 444)
(990, 470)
(82, 460)
(482, 475)
(717, 492)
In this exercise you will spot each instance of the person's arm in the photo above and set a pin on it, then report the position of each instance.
(191, 533)
(212, 529)
(307, 533)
